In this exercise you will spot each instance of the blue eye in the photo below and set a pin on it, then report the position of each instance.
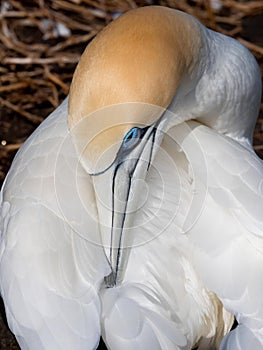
(130, 137)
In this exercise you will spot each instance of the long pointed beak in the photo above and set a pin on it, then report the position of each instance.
(121, 193)
(128, 168)
(125, 202)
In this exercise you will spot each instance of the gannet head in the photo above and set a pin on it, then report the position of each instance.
(142, 57)
(125, 80)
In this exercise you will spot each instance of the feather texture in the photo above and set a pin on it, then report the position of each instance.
(50, 291)
(194, 255)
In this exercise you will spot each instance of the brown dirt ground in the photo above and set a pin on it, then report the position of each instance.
(37, 64)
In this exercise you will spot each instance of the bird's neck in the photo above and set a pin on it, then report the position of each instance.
(225, 91)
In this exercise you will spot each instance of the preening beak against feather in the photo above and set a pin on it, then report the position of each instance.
(134, 211)
(117, 168)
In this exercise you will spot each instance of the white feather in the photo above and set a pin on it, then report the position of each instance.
(195, 253)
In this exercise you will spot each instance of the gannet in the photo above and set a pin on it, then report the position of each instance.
(134, 211)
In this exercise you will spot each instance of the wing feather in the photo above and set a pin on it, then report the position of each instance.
(51, 265)
(234, 177)
(49, 304)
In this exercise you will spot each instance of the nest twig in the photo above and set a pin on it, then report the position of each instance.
(41, 43)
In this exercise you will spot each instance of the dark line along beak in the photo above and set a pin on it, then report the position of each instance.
(121, 186)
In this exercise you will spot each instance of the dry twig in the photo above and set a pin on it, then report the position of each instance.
(41, 42)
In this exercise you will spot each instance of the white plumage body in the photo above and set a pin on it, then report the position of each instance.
(197, 240)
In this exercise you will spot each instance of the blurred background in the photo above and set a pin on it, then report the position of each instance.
(41, 43)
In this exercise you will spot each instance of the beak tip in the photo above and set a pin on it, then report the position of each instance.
(110, 280)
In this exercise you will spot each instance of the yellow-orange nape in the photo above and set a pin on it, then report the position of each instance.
(142, 57)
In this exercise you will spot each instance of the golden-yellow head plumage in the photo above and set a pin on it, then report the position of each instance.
(140, 57)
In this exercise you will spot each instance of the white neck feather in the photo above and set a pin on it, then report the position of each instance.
(225, 93)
